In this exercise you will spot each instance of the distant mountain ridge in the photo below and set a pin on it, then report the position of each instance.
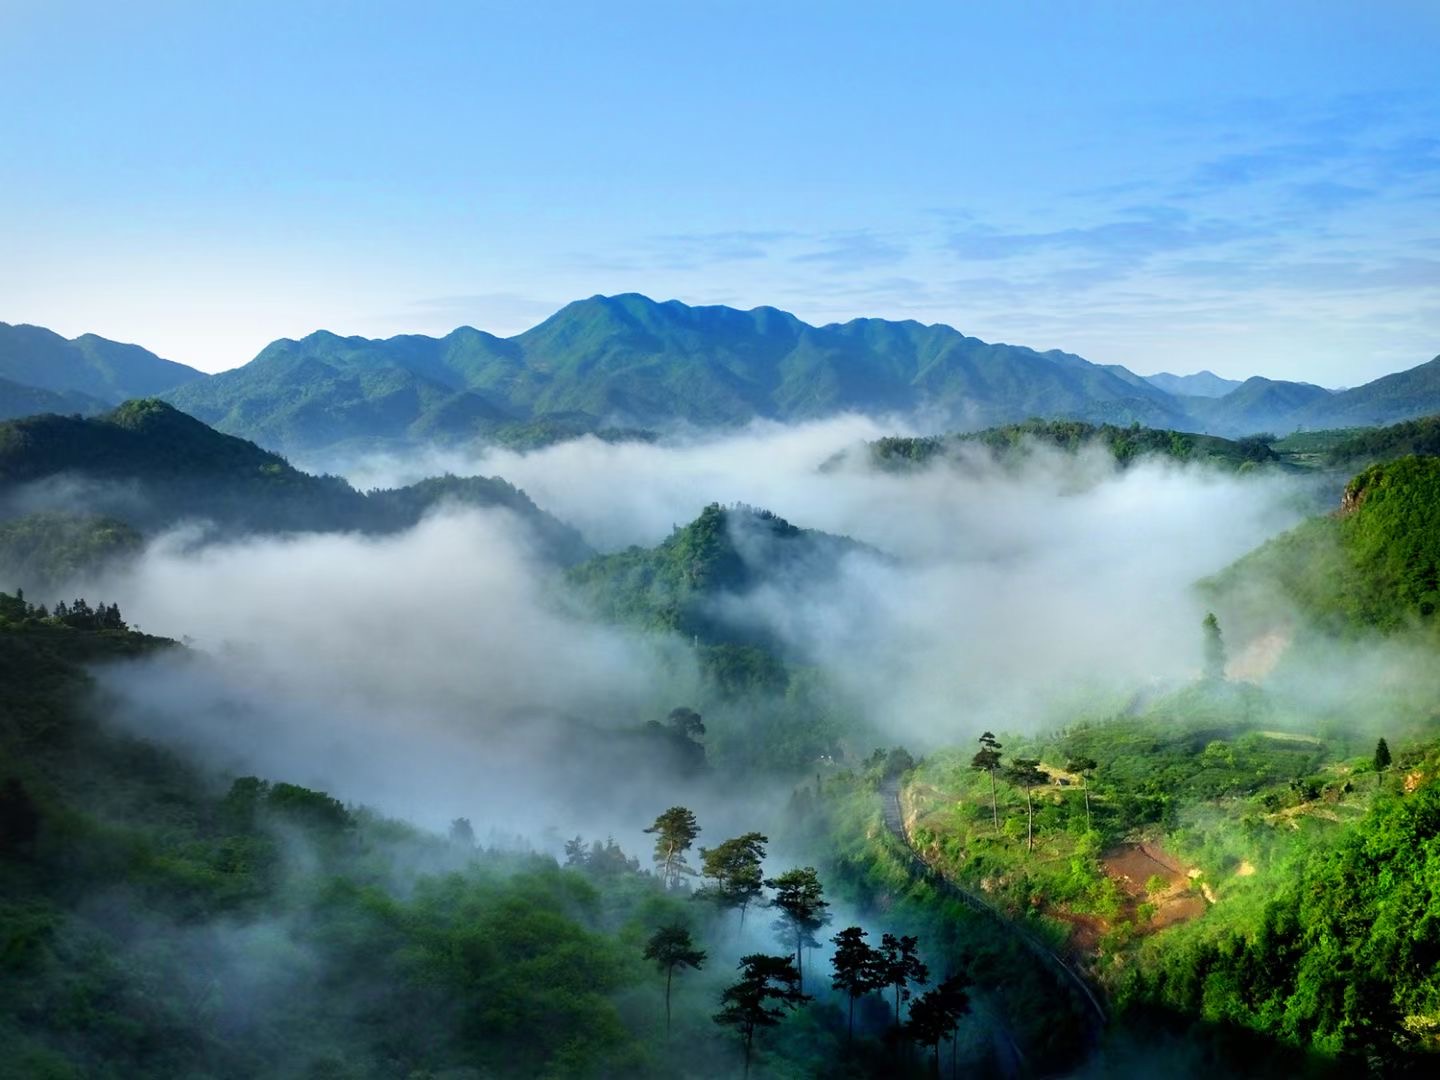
(1260, 403)
(1200, 384)
(628, 367)
(18, 400)
(108, 372)
(628, 360)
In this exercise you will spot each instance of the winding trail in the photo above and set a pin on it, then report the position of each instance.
(895, 822)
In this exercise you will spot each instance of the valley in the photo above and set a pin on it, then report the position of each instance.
(1141, 834)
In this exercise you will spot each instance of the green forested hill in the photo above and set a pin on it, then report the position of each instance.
(149, 465)
(156, 922)
(92, 366)
(675, 585)
(1013, 442)
(627, 364)
(629, 360)
(1340, 957)
(778, 712)
(1420, 436)
(1373, 565)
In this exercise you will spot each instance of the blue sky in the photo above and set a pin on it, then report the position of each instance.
(1249, 187)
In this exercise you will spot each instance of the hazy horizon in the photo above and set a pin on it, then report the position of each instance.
(438, 334)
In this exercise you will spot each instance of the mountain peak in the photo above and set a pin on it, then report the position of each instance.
(97, 367)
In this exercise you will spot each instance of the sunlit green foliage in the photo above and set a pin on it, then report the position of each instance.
(1375, 566)
(1341, 956)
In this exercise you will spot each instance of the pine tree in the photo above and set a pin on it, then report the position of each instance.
(1084, 766)
(675, 830)
(768, 986)
(857, 970)
(988, 760)
(1214, 648)
(900, 965)
(462, 833)
(800, 900)
(1382, 760)
(671, 947)
(735, 868)
(1026, 773)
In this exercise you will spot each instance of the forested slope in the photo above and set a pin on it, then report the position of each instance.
(148, 466)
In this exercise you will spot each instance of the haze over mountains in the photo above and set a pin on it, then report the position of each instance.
(642, 635)
(89, 372)
(607, 364)
(147, 465)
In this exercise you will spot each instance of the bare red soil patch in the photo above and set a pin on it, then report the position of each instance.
(1132, 865)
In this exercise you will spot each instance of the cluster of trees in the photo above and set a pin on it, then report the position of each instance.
(769, 986)
(1126, 444)
(78, 614)
(1378, 444)
(1341, 957)
(82, 616)
(1025, 774)
(602, 860)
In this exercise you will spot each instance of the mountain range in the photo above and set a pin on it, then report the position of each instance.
(91, 373)
(625, 365)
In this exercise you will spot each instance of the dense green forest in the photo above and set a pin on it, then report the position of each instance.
(1233, 872)
(1372, 565)
(1382, 444)
(72, 487)
(788, 709)
(734, 549)
(44, 549)
(1129, 444)
(159, 920)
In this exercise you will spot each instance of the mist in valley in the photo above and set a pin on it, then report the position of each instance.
(460, 671)
(448, 670)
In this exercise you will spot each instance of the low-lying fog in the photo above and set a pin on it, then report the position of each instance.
(424, 673)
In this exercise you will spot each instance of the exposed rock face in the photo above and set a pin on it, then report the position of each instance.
(1354, 496)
